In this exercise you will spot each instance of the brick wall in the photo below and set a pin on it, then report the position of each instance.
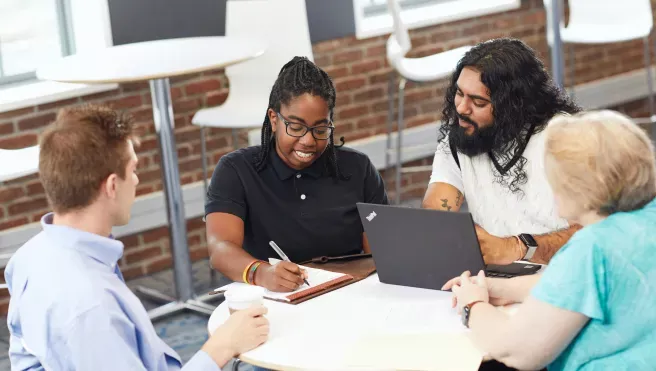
(360, 72)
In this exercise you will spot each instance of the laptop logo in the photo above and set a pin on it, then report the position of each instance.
(371, 216)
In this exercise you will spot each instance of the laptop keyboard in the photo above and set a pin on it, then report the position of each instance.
(498, 275)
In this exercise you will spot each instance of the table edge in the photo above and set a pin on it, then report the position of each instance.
(156, 76)
(270, 366)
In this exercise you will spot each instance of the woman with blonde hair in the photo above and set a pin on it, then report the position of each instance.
(594, 307)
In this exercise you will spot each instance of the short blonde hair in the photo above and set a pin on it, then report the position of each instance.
(600, 160)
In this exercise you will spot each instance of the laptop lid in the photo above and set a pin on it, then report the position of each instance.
(419, 247)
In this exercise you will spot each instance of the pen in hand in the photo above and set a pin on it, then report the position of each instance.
(283, 256)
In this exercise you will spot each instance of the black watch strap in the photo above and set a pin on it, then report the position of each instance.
(466, 311)
(530, 243)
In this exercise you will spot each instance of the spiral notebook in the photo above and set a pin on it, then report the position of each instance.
(321, 281)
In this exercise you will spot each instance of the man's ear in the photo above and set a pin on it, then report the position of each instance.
(273, 119)
(109, 187)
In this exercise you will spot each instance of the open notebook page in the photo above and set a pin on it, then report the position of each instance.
(315, 277)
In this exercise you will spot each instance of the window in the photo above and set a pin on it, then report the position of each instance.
(372, 18)
(32, 31)
(372, 8)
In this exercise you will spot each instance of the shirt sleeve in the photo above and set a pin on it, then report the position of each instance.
(96, 340)
(101, 339)
(374, 187)
(445, 169)
(575, 279)
(201, 361)
(225, 193)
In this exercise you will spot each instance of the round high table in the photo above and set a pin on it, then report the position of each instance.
(157, 61)
(367, 325)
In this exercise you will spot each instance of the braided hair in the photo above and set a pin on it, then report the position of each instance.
(300, 76)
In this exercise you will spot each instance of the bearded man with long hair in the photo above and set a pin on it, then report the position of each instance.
(491, 152)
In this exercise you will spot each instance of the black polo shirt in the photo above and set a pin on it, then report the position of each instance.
(306, 212)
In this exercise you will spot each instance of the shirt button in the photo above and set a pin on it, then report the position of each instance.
(298, 176)
(302, 197)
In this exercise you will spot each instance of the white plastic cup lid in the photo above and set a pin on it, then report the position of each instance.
(244, 293)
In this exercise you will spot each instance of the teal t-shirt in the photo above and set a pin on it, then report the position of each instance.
(607, 271)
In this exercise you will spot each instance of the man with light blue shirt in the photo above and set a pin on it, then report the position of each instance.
(70, 308)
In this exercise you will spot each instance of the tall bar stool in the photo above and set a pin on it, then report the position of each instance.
(251, 81)
(607, 21)
(17, 163)
(425, 69)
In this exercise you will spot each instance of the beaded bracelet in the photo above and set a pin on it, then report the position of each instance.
(251, 272)
(244, 275)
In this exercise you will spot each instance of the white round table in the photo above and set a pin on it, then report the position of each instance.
(156, 61)
(364, 326)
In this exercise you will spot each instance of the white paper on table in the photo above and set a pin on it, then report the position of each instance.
(315, 277)
(415, 352)
(422, 317)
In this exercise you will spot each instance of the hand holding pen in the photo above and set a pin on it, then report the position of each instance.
(284, 257)
(282, 277)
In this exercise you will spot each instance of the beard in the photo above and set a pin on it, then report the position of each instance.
(480, 141)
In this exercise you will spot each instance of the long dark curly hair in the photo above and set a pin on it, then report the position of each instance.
(297, 77)
(523, 97)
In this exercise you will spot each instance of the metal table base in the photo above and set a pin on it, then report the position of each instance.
(186, 299)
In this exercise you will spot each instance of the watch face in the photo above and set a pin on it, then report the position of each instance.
(464, 316)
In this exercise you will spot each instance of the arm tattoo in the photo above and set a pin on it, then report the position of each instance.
(459, 198)
(550, 243)
(445, 204)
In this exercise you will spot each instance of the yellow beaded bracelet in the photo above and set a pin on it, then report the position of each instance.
(251, 272)
(245, 274)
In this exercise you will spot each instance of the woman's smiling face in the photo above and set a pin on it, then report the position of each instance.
(310, 111)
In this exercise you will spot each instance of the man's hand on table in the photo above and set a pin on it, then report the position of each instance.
(244, 330)
(499, 250)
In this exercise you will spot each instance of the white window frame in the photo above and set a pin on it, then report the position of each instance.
(91, 31)
(429, 15)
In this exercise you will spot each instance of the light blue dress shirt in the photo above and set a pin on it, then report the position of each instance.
(71, 310)
(607, 272)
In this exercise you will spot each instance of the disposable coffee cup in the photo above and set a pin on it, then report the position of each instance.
(240, 298)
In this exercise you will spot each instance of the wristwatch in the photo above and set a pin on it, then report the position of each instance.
(466, 310)
(530, 243)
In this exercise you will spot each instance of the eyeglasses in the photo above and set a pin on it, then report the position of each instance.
(298, 130)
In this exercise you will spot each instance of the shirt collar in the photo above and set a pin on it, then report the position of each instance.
(316, 170)
(106, 250)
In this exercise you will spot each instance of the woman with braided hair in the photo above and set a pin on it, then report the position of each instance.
(297, 188)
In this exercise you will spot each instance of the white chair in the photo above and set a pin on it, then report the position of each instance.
(424, 69)
(606, 21)
(283, 25)
(14, 164)
(18, 163)
(4, 259)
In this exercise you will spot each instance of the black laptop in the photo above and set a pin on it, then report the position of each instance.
(426, 248)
